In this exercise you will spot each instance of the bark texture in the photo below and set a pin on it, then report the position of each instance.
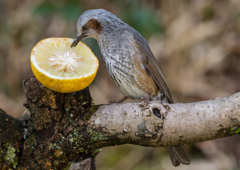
(69, 127)
(11, 141)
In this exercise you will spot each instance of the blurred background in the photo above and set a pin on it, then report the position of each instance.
(196, 42)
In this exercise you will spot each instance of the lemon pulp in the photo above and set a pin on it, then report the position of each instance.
(62, 68)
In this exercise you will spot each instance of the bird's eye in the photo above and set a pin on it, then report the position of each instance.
(84, 28)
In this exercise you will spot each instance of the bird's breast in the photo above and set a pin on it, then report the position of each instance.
(130, 77)
(124, 65)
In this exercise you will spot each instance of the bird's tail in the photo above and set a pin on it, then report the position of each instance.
(178, 154)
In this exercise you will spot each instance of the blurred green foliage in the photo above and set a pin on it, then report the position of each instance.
(144, 20)
(68, 9)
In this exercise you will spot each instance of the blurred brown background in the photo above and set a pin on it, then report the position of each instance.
(196, 42)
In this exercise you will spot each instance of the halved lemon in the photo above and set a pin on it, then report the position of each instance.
(62, 68)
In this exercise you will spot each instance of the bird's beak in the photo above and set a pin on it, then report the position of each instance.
(77, 39)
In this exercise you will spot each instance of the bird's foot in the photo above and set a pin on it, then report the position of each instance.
(112, 101)
(143, 103)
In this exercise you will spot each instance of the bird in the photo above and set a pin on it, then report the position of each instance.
(129, 61)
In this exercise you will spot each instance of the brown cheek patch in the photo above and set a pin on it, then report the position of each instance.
(94, 24)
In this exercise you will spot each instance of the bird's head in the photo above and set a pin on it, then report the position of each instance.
(92, 24)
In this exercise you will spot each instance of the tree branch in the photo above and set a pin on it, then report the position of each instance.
(179, 123)
(69, 127)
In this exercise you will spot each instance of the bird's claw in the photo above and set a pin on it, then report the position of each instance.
(112, 102)
(144, 103)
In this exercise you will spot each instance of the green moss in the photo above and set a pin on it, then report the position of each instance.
(235, 130)
(96, 136)
(67, 166)
(68, 108)
(10, 156)
(142, 129)
(96, 152)
(75, 137)
(50, 146)
(86, 117)
(56, 162)
(71, 140)
(81, 150)
(31, 141)
(93, 108)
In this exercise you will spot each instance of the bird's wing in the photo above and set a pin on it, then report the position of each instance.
(178, 153)
(151, 64)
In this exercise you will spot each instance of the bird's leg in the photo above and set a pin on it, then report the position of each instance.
(148, 98)
(123, 99)
(145, 99)
(112, 101)
(120, 101)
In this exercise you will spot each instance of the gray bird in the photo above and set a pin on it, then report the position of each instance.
(129, 62)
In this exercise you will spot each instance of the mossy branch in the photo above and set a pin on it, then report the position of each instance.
(69, 127)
